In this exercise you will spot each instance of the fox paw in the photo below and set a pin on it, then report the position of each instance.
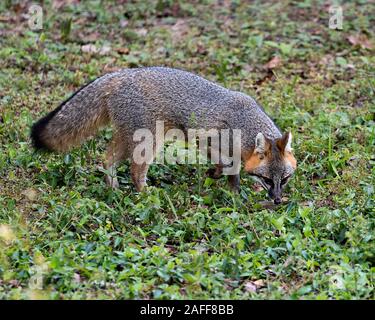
(112, 182)
(140, 185)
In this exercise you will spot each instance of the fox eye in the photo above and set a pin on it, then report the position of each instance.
(268, 181)
(285, 180)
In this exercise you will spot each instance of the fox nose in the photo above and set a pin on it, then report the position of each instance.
(277, 200)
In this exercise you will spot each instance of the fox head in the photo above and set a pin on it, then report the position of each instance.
(272, 164)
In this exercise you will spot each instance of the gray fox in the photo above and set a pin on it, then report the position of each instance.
(130, 99)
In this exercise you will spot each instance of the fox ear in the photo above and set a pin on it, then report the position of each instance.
(285, 142)
(288, 146)
(260, 143)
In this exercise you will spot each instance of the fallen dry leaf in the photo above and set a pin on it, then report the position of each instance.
(5, 19)
(92, 37)
(328, 59)
(141, 32)
(6, 233)
(124, 23)
(259, 283)
(123, 50)
(273, 63)
(248, 68)
(19, 8)
(30, 194)
(109, 69)
(57, 4)
(253, 286)
(76, 278)
(360, 40)
(104, 50)
(89, 48)
(179, 30)
(14, 283)
(250, 287)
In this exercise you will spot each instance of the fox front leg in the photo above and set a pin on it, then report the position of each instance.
(234, 182)
(216, 172)
(111, 179)
(116, 152)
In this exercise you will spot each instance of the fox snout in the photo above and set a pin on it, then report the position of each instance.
(275, 193)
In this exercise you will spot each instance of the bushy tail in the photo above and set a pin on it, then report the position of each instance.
(75, 120)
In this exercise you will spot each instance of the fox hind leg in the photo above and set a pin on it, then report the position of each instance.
(116, 152)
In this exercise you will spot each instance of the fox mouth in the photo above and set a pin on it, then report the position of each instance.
(258, 179)
(275, 198)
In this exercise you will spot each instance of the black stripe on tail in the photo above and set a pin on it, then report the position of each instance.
(39, 126)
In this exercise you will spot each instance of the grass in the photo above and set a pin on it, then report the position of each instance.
(65, 235)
